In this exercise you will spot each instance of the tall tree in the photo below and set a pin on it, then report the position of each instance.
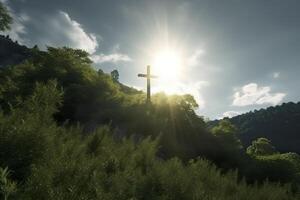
(115, 75)
(5, 18)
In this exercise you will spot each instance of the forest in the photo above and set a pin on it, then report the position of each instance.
(280, 124)
(69, 131)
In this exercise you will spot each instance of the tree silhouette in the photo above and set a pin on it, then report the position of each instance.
(115, 75)
(5, 18)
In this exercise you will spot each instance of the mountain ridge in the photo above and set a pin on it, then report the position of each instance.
(12, 53)
(280, 124)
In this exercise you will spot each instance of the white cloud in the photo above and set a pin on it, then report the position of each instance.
(276, 75)
(194, 59)
(68, 32)
(252, 94)
(230, 114)
(114, 57)
(60, 30)
(17, 27)
(57, 30)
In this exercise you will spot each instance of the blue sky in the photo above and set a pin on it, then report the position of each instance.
(235, 55)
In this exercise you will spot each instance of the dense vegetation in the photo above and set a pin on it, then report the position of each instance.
(54, 106)
(280, 124)
(5, 18)
(68, 131)
(48, 161)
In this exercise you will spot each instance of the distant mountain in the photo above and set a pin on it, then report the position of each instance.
(280, 124)
(11, 52)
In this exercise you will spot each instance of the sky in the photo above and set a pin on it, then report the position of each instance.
(233, 56)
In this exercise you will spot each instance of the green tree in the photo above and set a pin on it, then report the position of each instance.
(115, 75)
(5, 18)
(25, 131)
(90, 96)
(261, 147)
(227, 133)
(229, 147)
(63, 162)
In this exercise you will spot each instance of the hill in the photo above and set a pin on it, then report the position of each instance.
(69, 131)
(12, 53)
(280, 124)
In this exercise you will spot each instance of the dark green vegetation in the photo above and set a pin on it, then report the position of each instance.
(10, 52)
(48, 161)
(5, 18)
(71, 132)
(68, 131)
(280, 124)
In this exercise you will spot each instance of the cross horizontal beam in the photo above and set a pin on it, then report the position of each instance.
(145, 76)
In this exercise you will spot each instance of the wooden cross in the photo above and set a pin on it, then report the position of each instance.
(148, 76)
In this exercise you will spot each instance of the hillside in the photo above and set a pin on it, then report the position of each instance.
(280, 124)
(11, 52)
(69, 131)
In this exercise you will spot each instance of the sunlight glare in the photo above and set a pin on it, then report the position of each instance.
(167, 65)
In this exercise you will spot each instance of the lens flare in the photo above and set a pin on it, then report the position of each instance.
(167, 65)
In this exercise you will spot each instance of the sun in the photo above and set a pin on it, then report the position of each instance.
(167, 65)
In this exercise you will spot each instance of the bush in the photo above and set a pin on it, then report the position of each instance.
(7, 187)
(65, 163)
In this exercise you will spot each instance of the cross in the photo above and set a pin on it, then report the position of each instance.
(148, 76)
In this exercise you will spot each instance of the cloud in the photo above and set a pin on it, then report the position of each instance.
(17, 27)
(114, 58)
(194, 59)
(230, 114)
(61, 30)
(199, 60)
(276, 75)
(252, 94)
(195, 90)
(57, 30)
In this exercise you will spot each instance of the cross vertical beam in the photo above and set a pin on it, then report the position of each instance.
(148, 76)
(148, 85)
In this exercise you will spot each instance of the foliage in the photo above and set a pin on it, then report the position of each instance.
(5, 18)
(280, 124)
(283, 167)
(68, 131)
(7, 187)
(227, 132)
(268, 163)
(261, 147)
(231, 147)
(92, 97)
(23, 135)
(73, 165)
(115, 75)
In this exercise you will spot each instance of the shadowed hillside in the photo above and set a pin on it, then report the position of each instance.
(11, 52)
(280, 124)
(54, 102)
(69, 130)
